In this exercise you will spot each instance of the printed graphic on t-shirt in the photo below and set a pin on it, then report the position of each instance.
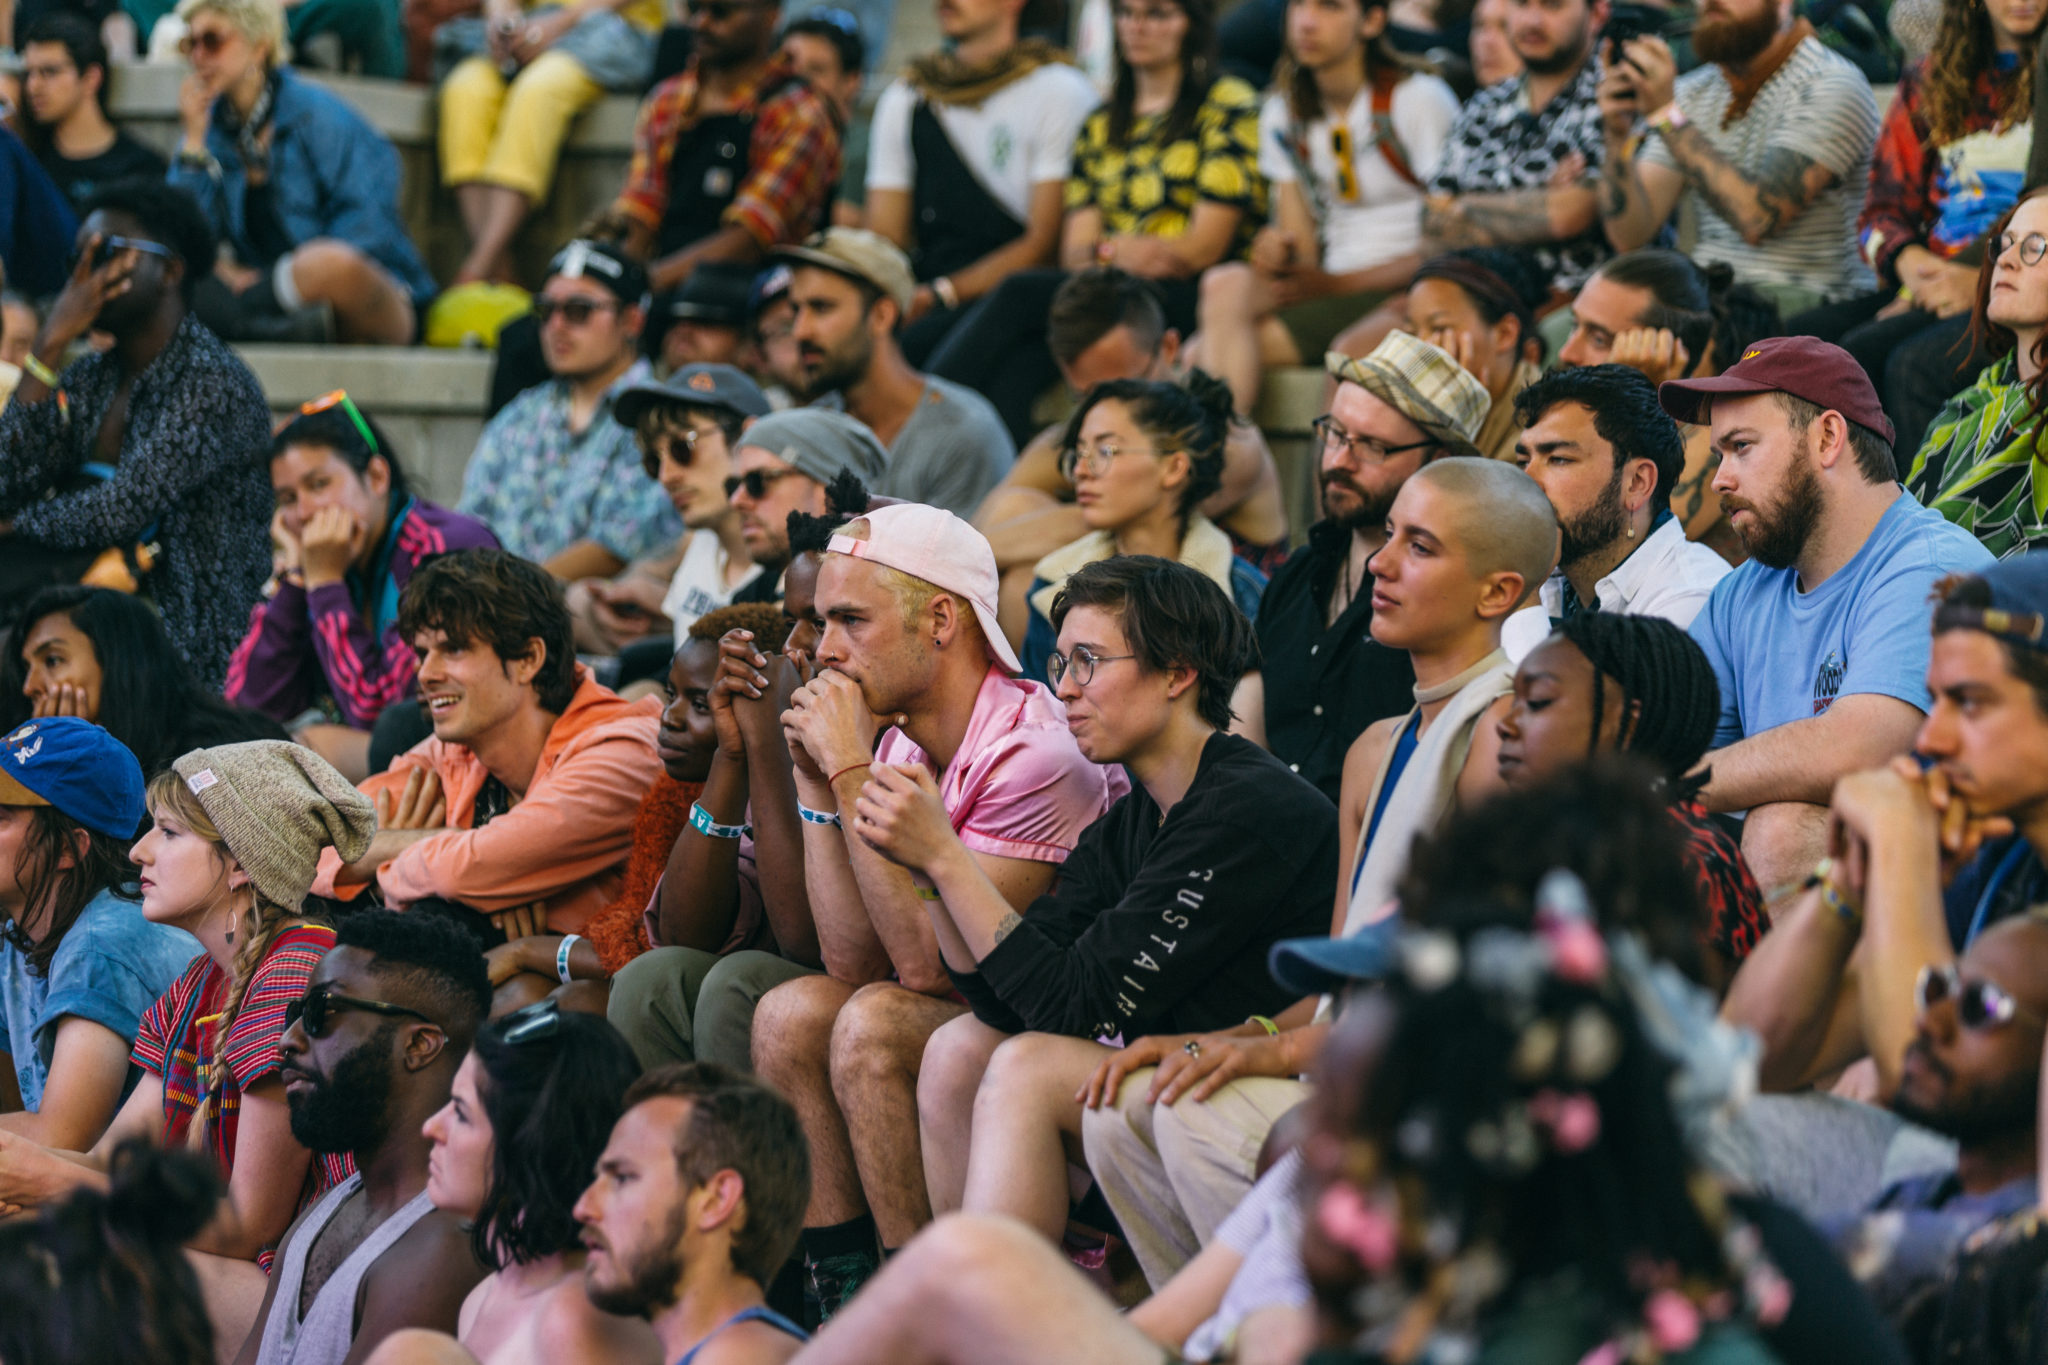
(1828, 682)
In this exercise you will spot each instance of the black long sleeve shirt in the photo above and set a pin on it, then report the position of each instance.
(1164, 927)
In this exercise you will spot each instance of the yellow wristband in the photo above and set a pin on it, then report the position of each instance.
(33, 364)
(925, 893)
(1272, 1029)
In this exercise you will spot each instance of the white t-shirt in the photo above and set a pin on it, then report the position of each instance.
(1023, 135)
(699, 584)
(1385, 220)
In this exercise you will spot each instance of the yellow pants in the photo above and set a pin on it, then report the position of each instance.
(511, 133)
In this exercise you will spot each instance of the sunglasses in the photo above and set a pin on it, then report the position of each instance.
(339, 398)
(540, 1020)
(321, 1001)
(756, 481)
(680, 446)
(575, 312)
(210, 41)
(110, 247)
(1980, 1004)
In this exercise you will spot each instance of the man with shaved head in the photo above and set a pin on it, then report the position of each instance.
(1468, 540)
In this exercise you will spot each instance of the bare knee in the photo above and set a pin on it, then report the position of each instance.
(328, 269)
(955, 1059)
(879, 1033)
(793, 1025)
(417, 1346)
(1226, 286)
(1782, 841)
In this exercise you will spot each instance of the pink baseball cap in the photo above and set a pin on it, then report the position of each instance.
(931, 543)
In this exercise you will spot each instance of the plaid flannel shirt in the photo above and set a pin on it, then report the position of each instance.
(792, 158)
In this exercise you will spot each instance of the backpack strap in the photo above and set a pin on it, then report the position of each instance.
(1385, 138)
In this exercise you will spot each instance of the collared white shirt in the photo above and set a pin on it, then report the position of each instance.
(1668, 576)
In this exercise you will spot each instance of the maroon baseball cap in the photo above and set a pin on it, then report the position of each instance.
(1823, 374)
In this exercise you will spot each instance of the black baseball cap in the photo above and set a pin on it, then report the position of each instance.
(697, 386)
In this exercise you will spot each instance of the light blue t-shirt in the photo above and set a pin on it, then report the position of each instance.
(110, 968)
(1782, 655)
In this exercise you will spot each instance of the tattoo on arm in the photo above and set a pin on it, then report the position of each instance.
(1006, 925)
(1508, 218)
(1786, 183)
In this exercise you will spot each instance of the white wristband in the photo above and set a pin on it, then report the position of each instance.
(562, 956)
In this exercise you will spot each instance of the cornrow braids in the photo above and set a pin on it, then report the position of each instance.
(1671, 703)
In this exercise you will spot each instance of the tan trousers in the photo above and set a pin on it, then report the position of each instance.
(1173, 1173)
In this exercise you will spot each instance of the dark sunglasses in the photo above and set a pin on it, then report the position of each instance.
(321, 1001)
(1980, 1004)
(756, 482)
(540, 1020)
(718, 11)
(679, 446)
(110, 247)
(575, 312)
(210, 42)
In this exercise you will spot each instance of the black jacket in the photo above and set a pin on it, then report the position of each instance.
(1164, 928)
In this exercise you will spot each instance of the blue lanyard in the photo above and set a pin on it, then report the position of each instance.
(2006, 867)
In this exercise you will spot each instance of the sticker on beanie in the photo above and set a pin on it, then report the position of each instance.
(201, 780)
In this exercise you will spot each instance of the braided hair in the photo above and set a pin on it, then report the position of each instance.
(257, 925)
(1669, 699)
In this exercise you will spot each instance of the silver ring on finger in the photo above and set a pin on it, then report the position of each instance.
(1192, 1048)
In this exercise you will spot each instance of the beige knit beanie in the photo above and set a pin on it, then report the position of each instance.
(276, 805)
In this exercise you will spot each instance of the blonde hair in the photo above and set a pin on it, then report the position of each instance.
(260, 21)
(258, 926)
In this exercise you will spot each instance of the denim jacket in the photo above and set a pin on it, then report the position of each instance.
(335, 176)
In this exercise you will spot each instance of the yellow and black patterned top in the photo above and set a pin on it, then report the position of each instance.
(1149, 186)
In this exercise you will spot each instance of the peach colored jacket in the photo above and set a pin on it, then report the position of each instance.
(564, 844)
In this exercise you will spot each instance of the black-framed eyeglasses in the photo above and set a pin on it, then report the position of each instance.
(1980, 1004)
(575, 312)
(110, 247)
(1096, 461)
(1082, 660)
(321, 1001)
(1370, 449)
(2032, 247)
(542, 1019)
(757, 482)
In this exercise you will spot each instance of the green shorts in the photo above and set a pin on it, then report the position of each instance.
(1316, 323)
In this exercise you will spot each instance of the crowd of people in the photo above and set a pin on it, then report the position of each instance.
(864, 833)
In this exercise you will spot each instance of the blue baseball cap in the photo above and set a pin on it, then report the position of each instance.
(2019, 604)
(77, 769)
(1325, 966)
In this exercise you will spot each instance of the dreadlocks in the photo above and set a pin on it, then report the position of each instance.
(1670, 703)
(845, 499)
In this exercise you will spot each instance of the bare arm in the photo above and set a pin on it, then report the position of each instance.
(87, 1067)
(1797, 992)
(1800, 760)
(699, 894)
(1361, 765)
(1480, 777)
(1553, 213)
(1033, 248)
(1079, 232)
(1786, 184)
(420, 1282)
(1189, 1299)
(263, 1188)
(584, 559)
(1248, 709)
(729, 243)
(888, 213)
(1635, 200)
(385, 845)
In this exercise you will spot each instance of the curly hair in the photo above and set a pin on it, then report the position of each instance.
(845, 498)
(551, 1100)
(166, 215)
(1193, 416)
(1997, 338)
(106, 1270)
(496, 598)
(431, 957)
(1964, 45)
(1625, 415)
(765, 619)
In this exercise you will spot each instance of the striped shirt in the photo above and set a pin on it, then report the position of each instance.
(176, 1042)
(1819, 105)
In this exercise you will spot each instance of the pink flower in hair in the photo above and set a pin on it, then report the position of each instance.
(1353, 1223)
(1673, 1321)
(1573, 1120)
(1577, 951)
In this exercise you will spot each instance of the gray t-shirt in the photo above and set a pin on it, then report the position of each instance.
(1819, 104)
(1265, 1229)
(110, 968)
(951, 452)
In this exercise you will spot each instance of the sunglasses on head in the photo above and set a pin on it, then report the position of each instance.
(756, 482)
(540, 1020)
(321, 1002)
(1980, 1004)
(110, 247)
(210, 41)
(339, 398)
(575, 312)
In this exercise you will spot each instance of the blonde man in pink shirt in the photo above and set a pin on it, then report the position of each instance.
(914, 671)
(521, 806)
